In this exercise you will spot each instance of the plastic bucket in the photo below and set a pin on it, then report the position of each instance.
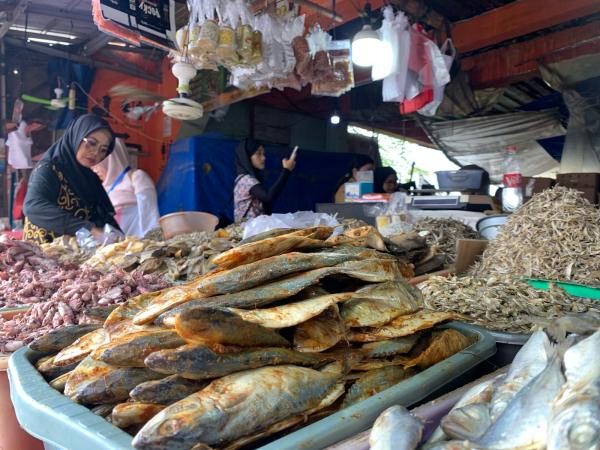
(187, 222)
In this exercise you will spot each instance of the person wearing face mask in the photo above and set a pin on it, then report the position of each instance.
(132, 193)
(359, 163)
(251, 198)
(64, 194)
(385, 180)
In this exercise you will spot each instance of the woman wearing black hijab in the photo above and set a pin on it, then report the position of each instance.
(250, 197)
(385, 180)
(64, 194)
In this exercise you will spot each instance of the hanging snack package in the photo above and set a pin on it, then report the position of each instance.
(318, 43)
(342, 76)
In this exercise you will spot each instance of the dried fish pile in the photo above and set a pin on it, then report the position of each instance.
(290, 328)
(443, 234)
(71, 303)
(555, 236)
(549, 398)
(27, 275)
(501, 303)
(181, 258)
(66, 250)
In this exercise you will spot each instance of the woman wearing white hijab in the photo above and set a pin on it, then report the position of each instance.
(132, 193)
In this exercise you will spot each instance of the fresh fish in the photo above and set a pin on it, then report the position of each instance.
(449, 445)
(373, 382)
(319, 333)
(198, 362)
(166, 391)
(291, 314)
(575, 422)
(103, 410)
(238, 279)
(527, 364)
(369, 270)
(278, 427)
(378, 304)
(94, 382)
(480, 393)
(235, 406)
(59, 382)
(82, 347)
(402, 326)
(129, 414)
(273, 246)
(524, 422)
(131, 349)
(396, 429)
(56, 340)
(441, 345)
(51, 370)
(468, 422)
(220, 326)
(390, 347)
(581, 368)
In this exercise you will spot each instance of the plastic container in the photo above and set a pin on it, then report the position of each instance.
(459, 180)
(574, 289)
(58, 421)
(489, 227)
(187, 222)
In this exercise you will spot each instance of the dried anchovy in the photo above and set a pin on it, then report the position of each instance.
(501, 303)
(443, 233)
(556, 236)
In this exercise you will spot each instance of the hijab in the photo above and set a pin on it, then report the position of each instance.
(379, 176)
(114, 165)
(244, 151)
(84, 182)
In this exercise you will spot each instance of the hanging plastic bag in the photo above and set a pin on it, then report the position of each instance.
(386, 65)
(442, 60)
(394, 85)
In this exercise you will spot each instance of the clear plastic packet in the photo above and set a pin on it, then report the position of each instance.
(342, 76)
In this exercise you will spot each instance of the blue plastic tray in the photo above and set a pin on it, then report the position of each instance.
(57, 420)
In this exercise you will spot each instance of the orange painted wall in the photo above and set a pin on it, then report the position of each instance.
(147, 134)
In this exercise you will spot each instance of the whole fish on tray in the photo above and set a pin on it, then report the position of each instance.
(220, 326)
(166, 391)
(56, 340)
(198, 362)
(238, 279)
(375, 381)
(129, 414)
(396, 429)
(82, 347)
(321, 332)
(390, 347)
(235, 406)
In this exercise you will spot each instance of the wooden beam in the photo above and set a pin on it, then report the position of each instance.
(14, 15)
(517, 19)
(50, 51)
(519, 62)
(348, 12)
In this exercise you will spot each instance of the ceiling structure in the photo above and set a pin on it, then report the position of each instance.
(500, 44)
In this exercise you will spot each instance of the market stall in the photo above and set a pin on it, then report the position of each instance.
(256, 312)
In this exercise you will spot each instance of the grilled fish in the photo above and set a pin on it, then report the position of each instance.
(373, 382)
(198, 362)
(223, 327)
(82, 347)
(166, 391)
(390, 347)
(442, 345)
(129, 414)
(50, 370)
(59, 382)
(235, 406)
(319, 333)
(131, 349)
(56, 340)
(291, 314)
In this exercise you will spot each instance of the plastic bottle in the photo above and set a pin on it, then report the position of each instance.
(512, 195)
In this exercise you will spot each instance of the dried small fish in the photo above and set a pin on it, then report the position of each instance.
(209, 326)
(390, 347)
(321, 332)
(293, 313)
(441, 345)
(554, 236)
(402, 326)
(500, 303)
(443, 234)
(198, 362)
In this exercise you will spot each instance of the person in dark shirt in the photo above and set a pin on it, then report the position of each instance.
(251, 197)
(64, 194)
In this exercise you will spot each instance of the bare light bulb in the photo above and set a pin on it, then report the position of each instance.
(366, 47)
(335, 118)
(16, 71)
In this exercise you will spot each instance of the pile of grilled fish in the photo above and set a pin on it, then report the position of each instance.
(548, 399)
(290, 327)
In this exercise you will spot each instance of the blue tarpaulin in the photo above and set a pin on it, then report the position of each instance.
(200, 173)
